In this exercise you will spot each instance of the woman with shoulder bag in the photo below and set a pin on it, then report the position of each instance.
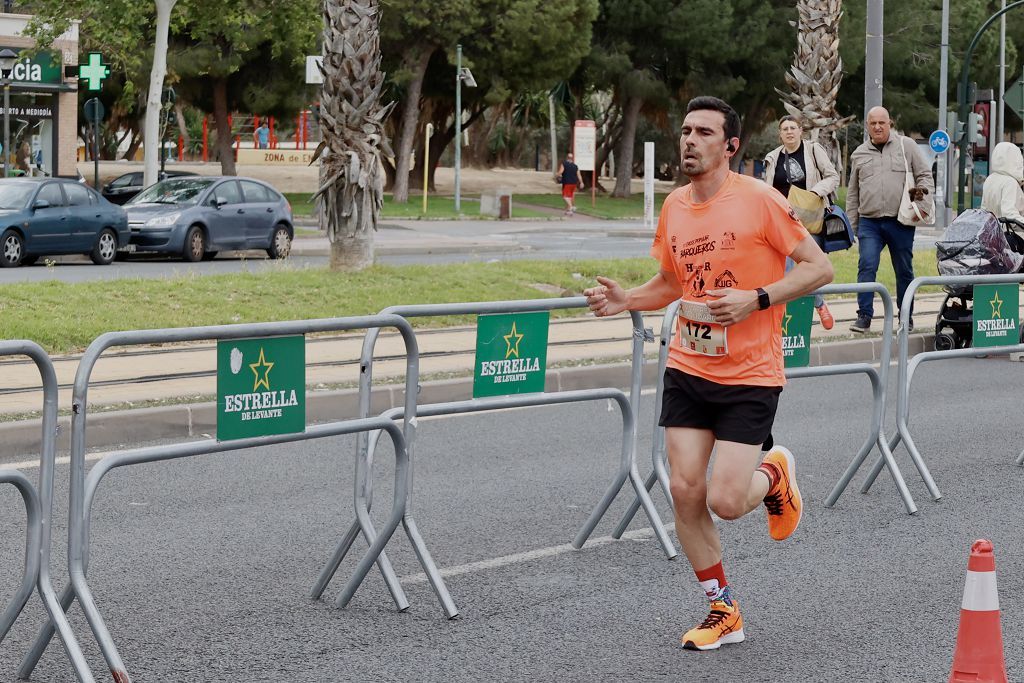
(805, 166)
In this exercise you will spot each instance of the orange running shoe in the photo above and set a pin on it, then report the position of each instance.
(722, 626)
(783, 502)
(825, 315)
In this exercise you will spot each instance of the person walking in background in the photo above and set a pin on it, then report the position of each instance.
(1002, 193)
(721, 245)
(569, 177)
(805, 165)
(263, 136)
(878, 171)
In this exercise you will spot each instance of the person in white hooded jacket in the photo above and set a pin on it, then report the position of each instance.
(1002, 194)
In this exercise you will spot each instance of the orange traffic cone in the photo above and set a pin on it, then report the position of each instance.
(979, 643)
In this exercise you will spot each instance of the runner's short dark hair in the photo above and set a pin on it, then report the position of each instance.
(732, 119)
(788, 117)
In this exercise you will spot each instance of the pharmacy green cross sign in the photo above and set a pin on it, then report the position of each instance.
(94, 72)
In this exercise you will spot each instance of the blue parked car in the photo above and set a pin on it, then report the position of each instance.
(198, 216)
(53, 216)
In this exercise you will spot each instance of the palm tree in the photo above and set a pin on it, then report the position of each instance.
(817, 72)
(352, 120)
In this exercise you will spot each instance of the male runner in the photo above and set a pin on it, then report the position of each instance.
(722, 242)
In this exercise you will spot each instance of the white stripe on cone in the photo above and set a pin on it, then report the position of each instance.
(980, 592)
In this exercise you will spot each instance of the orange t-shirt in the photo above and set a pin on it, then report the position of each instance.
(739, 238)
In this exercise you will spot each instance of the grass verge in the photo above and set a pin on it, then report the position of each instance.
(604, 206)
(65, 317)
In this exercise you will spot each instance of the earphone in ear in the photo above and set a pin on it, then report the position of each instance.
(729, 146)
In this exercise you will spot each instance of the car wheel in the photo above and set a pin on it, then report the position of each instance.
(29, 260)
(280, 243)
(210, 255)
(195, 244)
(12, 249)
(105, 250)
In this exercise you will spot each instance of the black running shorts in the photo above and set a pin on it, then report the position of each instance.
(739, 413)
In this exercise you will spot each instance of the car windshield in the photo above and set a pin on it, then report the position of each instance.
(15, 195)
(173, 191)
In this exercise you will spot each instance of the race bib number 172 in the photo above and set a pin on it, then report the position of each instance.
(699, 333)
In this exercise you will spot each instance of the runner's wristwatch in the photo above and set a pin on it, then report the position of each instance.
(763, 302)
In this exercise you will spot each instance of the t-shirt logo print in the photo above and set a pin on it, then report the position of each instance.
(794, 171)
(725, 280)
(728, 240)
(698, 284)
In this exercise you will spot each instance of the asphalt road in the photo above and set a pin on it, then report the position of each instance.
(201, 568)
(540, 240)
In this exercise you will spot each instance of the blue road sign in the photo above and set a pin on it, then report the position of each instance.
(939, 141)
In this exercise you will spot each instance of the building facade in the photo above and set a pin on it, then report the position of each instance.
(43, 116)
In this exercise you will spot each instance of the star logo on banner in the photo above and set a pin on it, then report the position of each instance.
(261, 363)
(785, 324)
(512, 340)
(997, 306)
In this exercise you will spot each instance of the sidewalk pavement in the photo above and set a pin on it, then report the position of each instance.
(421, 237)
(583, 352)
(401, 236)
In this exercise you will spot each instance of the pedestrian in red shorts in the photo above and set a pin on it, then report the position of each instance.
(569, 177)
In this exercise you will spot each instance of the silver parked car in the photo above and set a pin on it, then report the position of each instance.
(198, 216)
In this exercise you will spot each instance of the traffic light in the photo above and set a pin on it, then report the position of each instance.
(975, 128)
(955, 127)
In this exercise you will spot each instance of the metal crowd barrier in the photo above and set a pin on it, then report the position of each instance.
(39, 509)
(83, 490)
(365, 444)
(907, 367)
(876, 435)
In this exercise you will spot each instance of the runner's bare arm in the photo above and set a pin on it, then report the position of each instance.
(609, 298)
(812, 270)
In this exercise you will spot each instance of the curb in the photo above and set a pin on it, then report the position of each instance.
(118, 429)
(422, 248)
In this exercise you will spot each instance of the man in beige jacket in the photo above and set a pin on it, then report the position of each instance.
(878, 169)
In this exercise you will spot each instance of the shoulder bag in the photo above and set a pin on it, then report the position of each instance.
(913, 213)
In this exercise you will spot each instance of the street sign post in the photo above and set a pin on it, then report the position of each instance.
(1014, 97)
(94, 113)
(584, 149)
(939, 141)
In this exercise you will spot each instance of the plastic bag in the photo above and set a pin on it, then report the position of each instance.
(975, 244)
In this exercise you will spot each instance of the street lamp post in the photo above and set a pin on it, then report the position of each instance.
(461, 74)
(8, 58)
(873, 59)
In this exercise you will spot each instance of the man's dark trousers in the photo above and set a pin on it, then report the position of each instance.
(872, 235)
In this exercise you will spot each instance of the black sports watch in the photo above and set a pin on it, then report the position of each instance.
(763, 302)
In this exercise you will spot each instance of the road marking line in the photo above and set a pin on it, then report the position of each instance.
(530, 555)
(63, 460)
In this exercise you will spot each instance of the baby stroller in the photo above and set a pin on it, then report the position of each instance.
(976, 243)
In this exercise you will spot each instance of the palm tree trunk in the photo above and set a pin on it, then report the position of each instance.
(817, 72)
(352, 120)
(418, 57)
